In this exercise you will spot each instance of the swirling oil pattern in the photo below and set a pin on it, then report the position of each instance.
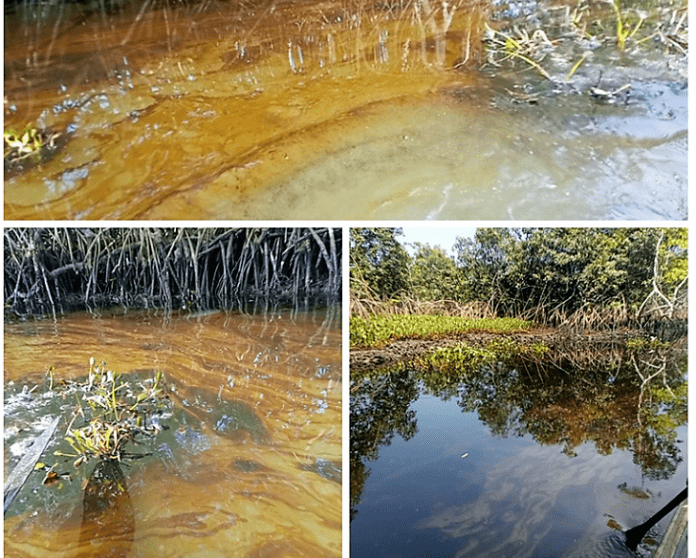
(262, 109)
(248, 463)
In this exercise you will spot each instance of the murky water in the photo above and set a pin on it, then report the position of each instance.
(249, 466)
(345, 110)
(508, 462)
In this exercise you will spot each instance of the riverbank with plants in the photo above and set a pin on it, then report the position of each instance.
(378, 330)
(531, 289)
(517, 356)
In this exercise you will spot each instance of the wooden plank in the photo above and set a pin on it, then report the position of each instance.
(26, 465)
(670, 544)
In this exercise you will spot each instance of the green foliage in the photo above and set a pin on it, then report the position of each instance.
(546, 274)
(463, 358)
(379, 265)
(673, 253)
(567, 268)
(434, 275)
(460, 358)
(641, 344)
(624, 30)
(379, 329)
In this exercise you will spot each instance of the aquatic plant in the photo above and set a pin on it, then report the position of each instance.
(641, 344)
(115, 411)
(380, 329)
(502, 46)
(463, 358)
(624, 31)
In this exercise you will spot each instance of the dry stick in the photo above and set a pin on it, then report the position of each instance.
(194, 263)
(140, 15)
(90, 252)
(172, 271)
(322, 250)
(230, 265)
(266, 270)
(48, 290)
(656, 290)
(274, 255)
(308, 270)
(336, 272)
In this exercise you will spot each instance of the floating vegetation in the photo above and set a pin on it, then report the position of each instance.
(641, 344)
(565, 37)
(464, 358)
(380, 329)
(59, 269)
(529, 49)
(114, 412)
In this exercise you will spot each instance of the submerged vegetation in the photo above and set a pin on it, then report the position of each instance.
(566, 36)
(53, 270)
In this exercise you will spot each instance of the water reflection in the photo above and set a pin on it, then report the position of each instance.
(531, 457)
(248, 460)
(108, 522)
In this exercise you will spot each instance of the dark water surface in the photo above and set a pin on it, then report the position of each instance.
(248, 462)
(346, 110)
(491, 467)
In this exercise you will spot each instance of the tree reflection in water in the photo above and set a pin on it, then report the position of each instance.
(608, 395)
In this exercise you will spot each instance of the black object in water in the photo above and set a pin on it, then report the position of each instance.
(636, 534)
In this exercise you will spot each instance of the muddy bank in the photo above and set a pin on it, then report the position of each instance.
(404, 350)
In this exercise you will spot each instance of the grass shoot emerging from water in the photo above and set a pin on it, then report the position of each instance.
(624, 30)
(378, 330)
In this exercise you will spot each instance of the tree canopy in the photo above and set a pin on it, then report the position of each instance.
(520, 271)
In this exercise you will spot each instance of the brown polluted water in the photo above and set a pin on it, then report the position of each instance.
(268, 110)
(248, 463)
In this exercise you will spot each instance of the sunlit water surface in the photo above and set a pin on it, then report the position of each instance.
(271, 489)
(266, 110)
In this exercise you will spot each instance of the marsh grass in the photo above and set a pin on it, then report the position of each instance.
(615, 315)
(463, 358)
(364, 304)
(378, 330)
(53, 270)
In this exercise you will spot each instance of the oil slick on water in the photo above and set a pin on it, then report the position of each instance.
(248, 462)
(266, 110)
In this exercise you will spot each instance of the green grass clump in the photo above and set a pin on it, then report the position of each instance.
(377, 330)
(640, 344)
(464, 358)
(114, 411)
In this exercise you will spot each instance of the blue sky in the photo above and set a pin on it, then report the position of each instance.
(436, 235)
